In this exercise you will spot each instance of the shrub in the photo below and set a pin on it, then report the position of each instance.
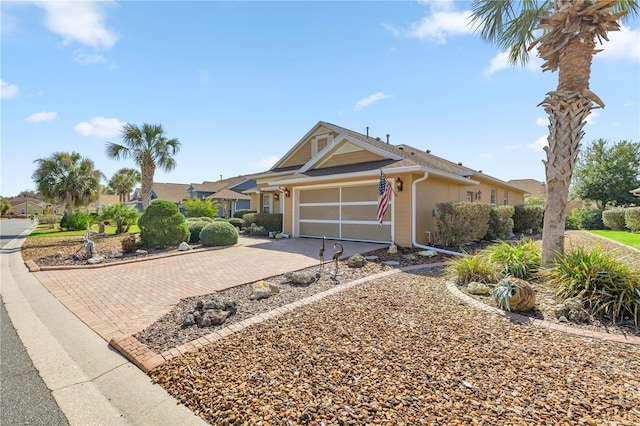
(473, 268)
(614, 219)
(632, 218)
(123, 216)
(584, 219)
(271, 222)
(527, 217)
(162, 225)
(239, 213)
(50, 220)
(75, 222)
(520, 260)
(602, 283)
(219, 234)
(195, 227)
(459, 223)
(237, 222)
(500, 223)
(220, 219)
(197, 207)
(199, 219)
(128, 243)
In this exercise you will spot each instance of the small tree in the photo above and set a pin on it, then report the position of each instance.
(5, 206)
(162, 225)
(197, 207)
(123, 216)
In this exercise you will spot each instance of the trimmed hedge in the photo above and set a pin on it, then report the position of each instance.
(584, 219)
(162, 225)
(500, 223)
(241, 212)
(199, 219)
(236, 221)
(632, 218)
(614, 219)
(528, 217)
(219, 234)
(76, 222)
(195, 227)
(459, 223)
(271, 222)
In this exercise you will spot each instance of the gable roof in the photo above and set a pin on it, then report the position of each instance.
(227, 194)
(209, 186)
(174, 192)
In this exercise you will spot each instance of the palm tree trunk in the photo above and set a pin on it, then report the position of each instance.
(147, 184)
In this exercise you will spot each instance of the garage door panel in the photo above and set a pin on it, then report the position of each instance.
(320, 212)
(366, 232)
(364, 213)
(324, 195)
(329, 230)
(360, 193)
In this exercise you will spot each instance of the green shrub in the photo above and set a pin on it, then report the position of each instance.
(237, 222)
(220, 219)
(521, 260)
(76, 222)
(271, 222)
(199, 219)
(195, 227)
(500, 223)
(527, 217)
(459, 223)
(197, 207)
(614, 219)
(50, 220)
(123, 216)
(239, 213)
(219, 234)
(473, 268)
(632, 218)
(603, 283)
(162, 225)
(584, 219)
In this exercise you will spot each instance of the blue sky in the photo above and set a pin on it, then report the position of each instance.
(239, 83)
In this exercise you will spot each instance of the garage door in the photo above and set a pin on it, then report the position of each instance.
(346, 213)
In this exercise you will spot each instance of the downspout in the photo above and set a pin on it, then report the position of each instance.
(284, 207)
(414, 221)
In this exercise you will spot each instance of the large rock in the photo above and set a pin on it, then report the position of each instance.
(183, 246)
(263, 290)
(221, 305)
(393, 249)
(427, 253)
(356, 261)
(572, 309)
(478, 288)
(523, 297)
(300, 278)
(212, 317)
(95, 260)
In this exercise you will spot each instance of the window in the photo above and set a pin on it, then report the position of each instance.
(266, 203)
(506, 198)
(469, 196)
(494, 195)
(320, 142)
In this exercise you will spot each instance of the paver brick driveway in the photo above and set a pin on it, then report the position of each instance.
(120, 300)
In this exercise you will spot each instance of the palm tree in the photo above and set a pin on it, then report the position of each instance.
(123, 182)
(567, 44)
(149, 148)
(68, 178)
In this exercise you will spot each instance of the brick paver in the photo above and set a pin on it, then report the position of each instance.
(120, 300)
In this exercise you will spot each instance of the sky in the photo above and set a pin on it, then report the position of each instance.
(240, 83)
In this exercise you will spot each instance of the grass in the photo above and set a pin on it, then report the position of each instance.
(626, 238)
(45, 231)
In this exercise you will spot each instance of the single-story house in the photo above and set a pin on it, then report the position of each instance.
(27, 206)
(174, 192)
(226, 192)
(328, 182)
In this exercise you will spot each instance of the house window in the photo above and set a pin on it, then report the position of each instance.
(266, 203)
(469, 196)
(506, 198)
(23, 211)
(494, 195)
(320, 142)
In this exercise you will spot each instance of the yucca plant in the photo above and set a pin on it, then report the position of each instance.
(605, 284)
(502, 293)
(521, 260)
(473, 268)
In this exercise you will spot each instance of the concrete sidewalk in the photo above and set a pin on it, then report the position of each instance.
(92, 384)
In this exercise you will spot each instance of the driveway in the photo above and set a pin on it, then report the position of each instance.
(120, 300)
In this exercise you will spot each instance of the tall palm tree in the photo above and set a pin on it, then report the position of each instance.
(68, 178)
(149, 148)
(567, 44)
(123, 182)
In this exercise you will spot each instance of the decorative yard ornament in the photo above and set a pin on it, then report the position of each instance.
(336, 257)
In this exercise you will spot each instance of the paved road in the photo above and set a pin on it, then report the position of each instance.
(24, 398)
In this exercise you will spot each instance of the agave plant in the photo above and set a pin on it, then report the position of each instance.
(502, 293)
(514, 293)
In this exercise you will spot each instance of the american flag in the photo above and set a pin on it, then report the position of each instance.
(384, 197)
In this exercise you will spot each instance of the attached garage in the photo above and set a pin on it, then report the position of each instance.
(342, 212)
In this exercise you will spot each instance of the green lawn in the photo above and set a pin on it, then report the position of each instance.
(45, 231)
(626, 238)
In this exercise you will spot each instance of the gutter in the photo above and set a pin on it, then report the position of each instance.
(413, 222)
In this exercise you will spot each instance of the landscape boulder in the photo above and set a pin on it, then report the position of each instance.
(478, 288)
(356, 261)
(263, 290)
(300, 277)
(183, 246)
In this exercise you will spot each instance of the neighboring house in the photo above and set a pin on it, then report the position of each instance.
(230, 201)
(26, 206)
(226, 192)
(327, 185)
(174, 192)
(533, 187)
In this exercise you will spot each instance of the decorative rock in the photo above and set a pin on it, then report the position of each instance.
(95, 260)
(478, 288)
(563, 319)
(393, 249)
(356, 261)
(183, 246)
(427, 253)
(220, 305)
(578, 315)
(263, 290)
(212, 317)
(523, 297)
(278, 236)
(410, 256)
(573, 304)
(117, 254)
(371, 257)
(140, 251)
(391, 263)
(301, 278)
(572, 309)
(188, 321)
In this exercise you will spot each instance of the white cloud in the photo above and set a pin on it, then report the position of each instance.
(100, 127)
(8, 91)
(623, 44)
(267, 163)
(591, 118)
(486, 156)
(363, 103)
(501, 61)
(42, 116)
(539, 143)
(513, 147)
(442, 21)
(88, 59)
(79, 21)
(629, 103)
(542, 121)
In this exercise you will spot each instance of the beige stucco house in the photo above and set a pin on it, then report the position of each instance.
(327, 185)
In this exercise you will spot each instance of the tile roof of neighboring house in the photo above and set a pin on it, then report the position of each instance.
(208, 186)
(227, 194)
(106, 199)
(532, 186)
(174, 192)
(16, 201)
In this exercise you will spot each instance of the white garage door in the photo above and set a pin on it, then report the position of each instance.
(346, 213)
